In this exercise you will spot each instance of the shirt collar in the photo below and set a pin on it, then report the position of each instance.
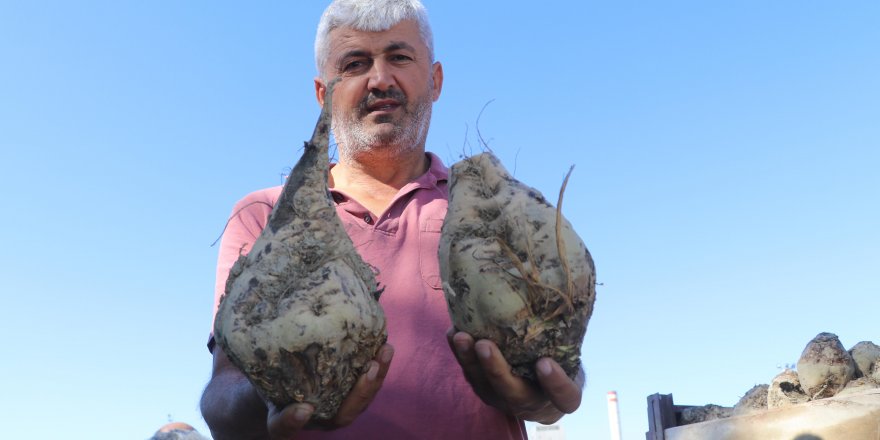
(437, 174)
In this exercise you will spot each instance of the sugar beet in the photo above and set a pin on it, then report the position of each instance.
(514, 271)
(300, 316)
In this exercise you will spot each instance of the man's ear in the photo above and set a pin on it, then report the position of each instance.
(437, 74)
(320, 90)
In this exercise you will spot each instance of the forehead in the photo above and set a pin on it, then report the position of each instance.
(344, 39)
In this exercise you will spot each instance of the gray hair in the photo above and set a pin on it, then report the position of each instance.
(178, 434)
(370, 16)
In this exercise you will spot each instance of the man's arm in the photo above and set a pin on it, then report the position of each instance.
(490, 375)
(233, 409)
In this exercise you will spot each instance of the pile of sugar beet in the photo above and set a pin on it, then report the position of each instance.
(300, 316)
(825, 369)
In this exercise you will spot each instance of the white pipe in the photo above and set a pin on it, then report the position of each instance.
(613, 415)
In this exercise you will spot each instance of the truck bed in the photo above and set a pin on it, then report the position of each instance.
(852, 417)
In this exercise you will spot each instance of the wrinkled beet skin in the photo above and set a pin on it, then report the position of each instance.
(495, 228)
(825, 366)
(300, 316)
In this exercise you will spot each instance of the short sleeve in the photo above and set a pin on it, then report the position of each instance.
(246, 221)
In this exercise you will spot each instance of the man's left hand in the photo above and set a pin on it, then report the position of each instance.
(546, 401)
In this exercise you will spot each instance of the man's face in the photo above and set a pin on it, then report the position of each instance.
(383, 102)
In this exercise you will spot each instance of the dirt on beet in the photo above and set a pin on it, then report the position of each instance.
(300, 316)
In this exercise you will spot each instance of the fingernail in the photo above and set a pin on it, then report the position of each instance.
(373, 371)
(386, 356)
(484, 351)
(544, 367)
(461, 345)
(302, 413)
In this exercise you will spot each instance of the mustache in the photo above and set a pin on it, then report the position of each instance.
(376, 95)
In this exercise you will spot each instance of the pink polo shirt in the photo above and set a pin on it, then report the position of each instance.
(425, 395)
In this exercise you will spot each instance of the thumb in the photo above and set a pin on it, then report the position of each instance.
(285, 423)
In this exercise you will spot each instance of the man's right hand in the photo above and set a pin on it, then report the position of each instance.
(233, 409)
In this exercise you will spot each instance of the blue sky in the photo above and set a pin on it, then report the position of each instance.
(726, 183)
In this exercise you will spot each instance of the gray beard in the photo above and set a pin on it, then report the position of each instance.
(409, 134)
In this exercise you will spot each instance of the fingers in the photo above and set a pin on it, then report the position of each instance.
(365, 389)
(462, 345)
(285, 423)
(546, 400)
(559, 388)
(522, 398)
(489, 373)
(510, 388)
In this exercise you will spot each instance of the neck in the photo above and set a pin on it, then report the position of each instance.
(374, 180)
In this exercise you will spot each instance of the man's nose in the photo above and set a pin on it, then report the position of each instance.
(381, 77)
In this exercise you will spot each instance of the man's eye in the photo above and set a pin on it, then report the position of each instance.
(400, 58)
(354, 66)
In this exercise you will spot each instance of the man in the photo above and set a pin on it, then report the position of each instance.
(391, 197)
(177, 431)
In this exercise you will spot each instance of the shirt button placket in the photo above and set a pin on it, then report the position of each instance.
(367, 219)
